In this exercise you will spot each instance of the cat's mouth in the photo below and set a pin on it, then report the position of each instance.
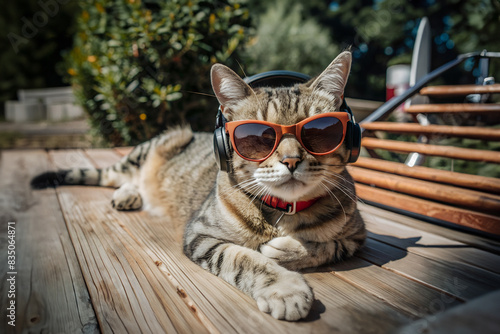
(284, 181)
(289, 189)
(293, 182)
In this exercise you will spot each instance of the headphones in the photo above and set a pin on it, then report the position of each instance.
(222, 143)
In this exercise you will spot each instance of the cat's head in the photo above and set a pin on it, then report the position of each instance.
(290, 172)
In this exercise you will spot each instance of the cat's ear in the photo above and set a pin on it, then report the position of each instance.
(229, 88)
(334, 77)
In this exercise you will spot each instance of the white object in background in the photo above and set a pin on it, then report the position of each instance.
(421, 59)
(53, 104)
(420, 67)
(24, 112)
(397, 82)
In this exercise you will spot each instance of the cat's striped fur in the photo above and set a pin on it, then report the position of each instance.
(229, 231)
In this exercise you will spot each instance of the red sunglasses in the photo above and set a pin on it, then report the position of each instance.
(319, 135)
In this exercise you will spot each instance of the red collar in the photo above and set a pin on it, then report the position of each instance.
(289, 208)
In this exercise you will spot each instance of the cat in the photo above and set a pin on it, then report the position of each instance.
(229, 230)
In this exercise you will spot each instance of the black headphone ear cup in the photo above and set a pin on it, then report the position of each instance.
(355, 141)
(222, 149)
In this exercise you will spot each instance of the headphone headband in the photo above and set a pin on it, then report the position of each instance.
(276, 79)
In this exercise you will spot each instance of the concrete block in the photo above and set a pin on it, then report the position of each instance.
(43, 94)
(63, 111)
(18, 112)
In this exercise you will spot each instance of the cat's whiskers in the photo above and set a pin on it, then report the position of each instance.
(337, 175)
(349, 190)
(330, 192)
(250, 187)
(268, 193)
(339, 186)
(255, 191)
(245, 185)
(262, 191)
(198, 93)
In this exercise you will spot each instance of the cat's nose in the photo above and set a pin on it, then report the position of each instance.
(291, 162)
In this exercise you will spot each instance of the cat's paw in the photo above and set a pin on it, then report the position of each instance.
(290, 298)
(285, 251)
(127, 197)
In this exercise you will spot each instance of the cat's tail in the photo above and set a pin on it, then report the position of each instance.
(126, 170)
(113, 176)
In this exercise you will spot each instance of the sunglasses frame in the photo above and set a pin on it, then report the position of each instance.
(294, 129)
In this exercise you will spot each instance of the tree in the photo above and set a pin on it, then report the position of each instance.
(383, 33)
(286, 39)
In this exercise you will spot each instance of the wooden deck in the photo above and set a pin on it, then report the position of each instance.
(82, 267)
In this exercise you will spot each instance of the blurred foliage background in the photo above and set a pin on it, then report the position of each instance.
(138, 66)
(31, 54)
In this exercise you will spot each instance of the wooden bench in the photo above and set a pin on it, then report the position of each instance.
(446, 196)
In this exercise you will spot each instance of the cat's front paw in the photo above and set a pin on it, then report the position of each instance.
(126, 197)
(284, 250)
(290, 298)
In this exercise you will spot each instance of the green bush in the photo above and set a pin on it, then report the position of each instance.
(136, 65)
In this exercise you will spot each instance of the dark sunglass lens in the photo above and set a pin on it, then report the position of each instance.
(254, 141)
(322, 134)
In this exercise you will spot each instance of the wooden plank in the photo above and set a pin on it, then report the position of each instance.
(477, 316)
(331, 293)
(347, 309)
(429, 245)
(102, 158)
(464, 198)
(463, 281)
(143, 297)
(476, 220)
(488, 184)
(460, 90)
(339, 307)
(453, 108)
(146, 250)
(474, 132)
(404, 294)
(473, 240)
(129, 292)
(123, 151)
(434, 150)
(51, 295)
(219, 301)
(166, 251)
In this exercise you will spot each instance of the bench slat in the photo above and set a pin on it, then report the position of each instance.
(459, 90)
(452, 131)
(434, 150)
(478, 182)
(483, 222)
(453, 107)
(443, 193)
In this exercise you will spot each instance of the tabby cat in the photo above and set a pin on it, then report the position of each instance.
(230, 231)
